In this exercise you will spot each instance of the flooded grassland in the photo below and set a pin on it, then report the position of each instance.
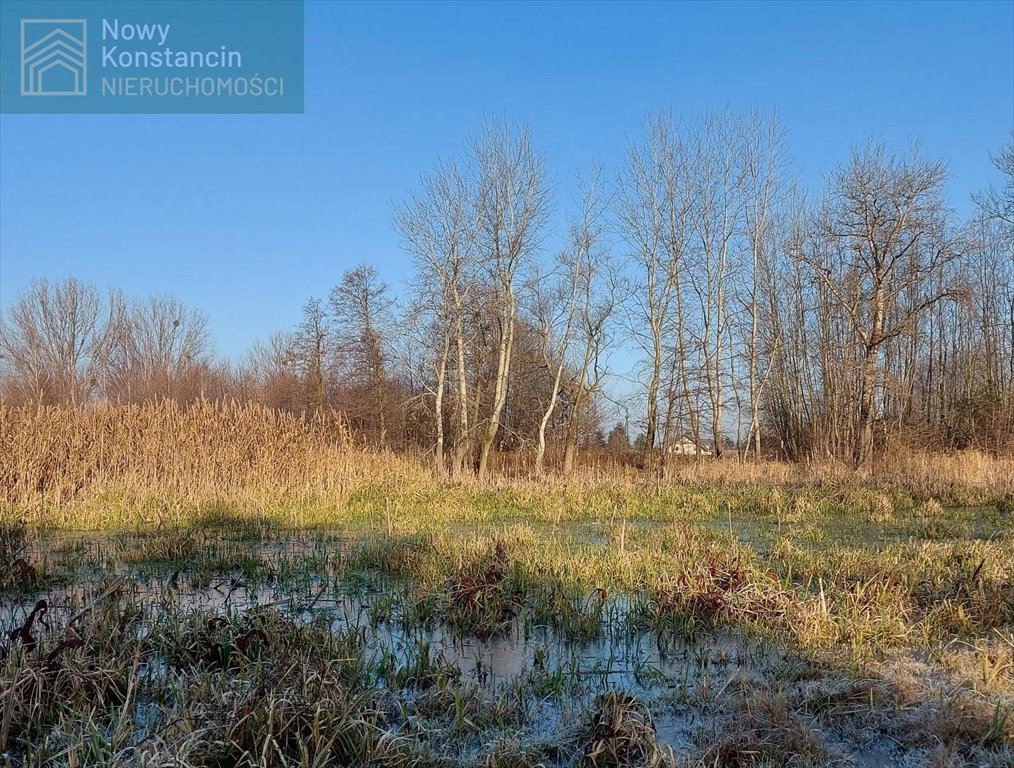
(663, 632)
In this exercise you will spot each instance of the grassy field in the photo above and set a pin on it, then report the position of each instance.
(227, 586)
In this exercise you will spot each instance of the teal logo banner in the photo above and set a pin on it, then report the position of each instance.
(130, 56)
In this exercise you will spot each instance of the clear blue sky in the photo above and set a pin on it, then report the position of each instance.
(247, 216)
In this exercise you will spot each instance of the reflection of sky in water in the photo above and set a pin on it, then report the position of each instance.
(524, 653)
(686, 685)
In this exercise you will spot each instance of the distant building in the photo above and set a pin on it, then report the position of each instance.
(684, 445)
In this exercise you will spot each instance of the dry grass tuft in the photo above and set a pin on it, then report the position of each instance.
(621, 734)
(767, 732)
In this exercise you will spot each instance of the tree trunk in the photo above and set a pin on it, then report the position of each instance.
(867, 398)
(462, 440)
(438, 407)
(500, 388)
(570, 449)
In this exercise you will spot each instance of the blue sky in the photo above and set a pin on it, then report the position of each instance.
(246, 216)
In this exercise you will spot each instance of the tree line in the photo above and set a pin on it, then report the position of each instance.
(697, 287)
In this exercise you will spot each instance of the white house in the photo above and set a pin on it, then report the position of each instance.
(684, 445)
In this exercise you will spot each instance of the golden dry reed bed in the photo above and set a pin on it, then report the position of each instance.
(963, 478)
(61, 457)
(104, 466)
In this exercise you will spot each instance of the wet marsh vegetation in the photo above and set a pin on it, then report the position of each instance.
(654, 626)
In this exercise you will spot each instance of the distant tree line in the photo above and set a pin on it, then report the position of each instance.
(761, 320)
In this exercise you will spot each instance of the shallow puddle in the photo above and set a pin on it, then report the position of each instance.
(695, 686)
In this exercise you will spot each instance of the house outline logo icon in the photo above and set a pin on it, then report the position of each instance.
(49, 45)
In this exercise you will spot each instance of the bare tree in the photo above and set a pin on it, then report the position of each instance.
(652, 213)
(161, 350)
(311, 353)
(56, 340)
(560, 304)
(360, 303)
(787, 317)
(763, 160)
(717, 221)
(513, 205)
(887, 236)
(268, 373)
(999, 203)
(599, 292)
(438, 225)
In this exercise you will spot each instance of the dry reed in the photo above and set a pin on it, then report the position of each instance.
(53, 455)
(246, 456)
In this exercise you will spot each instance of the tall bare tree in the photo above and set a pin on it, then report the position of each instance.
(719, 193)
(600, 290)
(560, 307)
(887, 237)
(439, 227)
(764, 160)
(652, 210)
(513, 206)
